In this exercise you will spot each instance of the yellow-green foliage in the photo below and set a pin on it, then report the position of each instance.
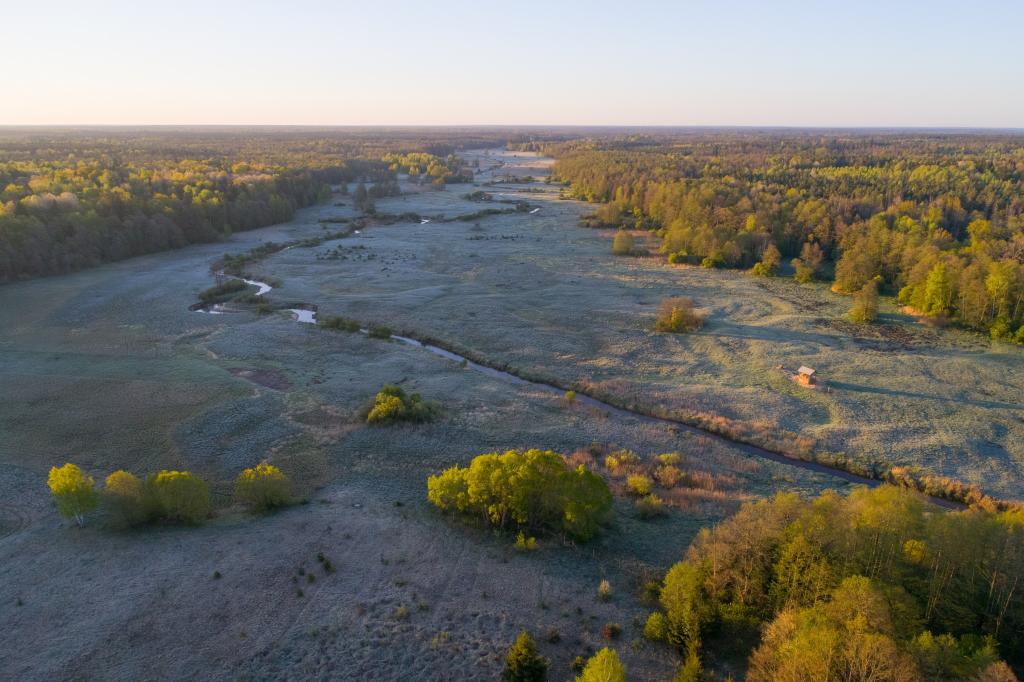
(525, 544)
(656, 627)
(535, 490)
(639, 484)
(179, 496)
(263, 487)
(604, 666)
(621, 458)
(124, 500)
(392, 404)
(73, 491)
(877, 579)
(650, 506)
(622, 245)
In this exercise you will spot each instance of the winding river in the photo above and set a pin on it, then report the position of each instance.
(306, 316)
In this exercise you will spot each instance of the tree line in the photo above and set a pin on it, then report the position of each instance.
(936, 219)
(76, 199)
(876, 585)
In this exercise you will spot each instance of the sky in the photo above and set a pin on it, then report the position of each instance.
(431, 62)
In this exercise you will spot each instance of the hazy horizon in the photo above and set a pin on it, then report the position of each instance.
(830, 65)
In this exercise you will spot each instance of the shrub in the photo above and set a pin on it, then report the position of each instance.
(392, 404)
(677, 315)
(668, 476)
(379, 331)
(638, 484)
(623, 245)
(263, 487)
(620, 458)
(531, 490)
(604, 666)
(179, 496)
(669, 458)
(650, 506)
(770, 260)
(715, 260)
(604, 590)
(570, 396)
(73, 491)
(124, 500)
(865, 303)
(523, 663)
(656, 627)
(525, 544)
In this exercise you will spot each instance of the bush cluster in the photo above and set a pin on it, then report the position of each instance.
(165, 496)
(393, 404)
(535, 490)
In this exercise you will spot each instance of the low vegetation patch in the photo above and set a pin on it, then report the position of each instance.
(379, 331)
(532, 490)
(340, 323)
(393, 404)
(223, 291)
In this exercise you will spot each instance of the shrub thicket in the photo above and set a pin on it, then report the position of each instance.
(393, 404)
(263, 487)
(533, 490)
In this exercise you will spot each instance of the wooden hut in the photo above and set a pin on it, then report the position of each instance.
(805, 375)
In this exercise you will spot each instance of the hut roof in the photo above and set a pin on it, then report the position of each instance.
(805, 370)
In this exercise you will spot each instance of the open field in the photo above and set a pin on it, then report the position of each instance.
(536, 293)
(108, 368)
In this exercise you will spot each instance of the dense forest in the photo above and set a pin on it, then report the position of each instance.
(876, 585)
(935, 219)
(72, 199)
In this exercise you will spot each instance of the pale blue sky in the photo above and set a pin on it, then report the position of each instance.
(934, 63)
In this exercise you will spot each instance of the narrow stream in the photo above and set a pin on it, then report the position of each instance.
(301, 314)
(648, 419)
